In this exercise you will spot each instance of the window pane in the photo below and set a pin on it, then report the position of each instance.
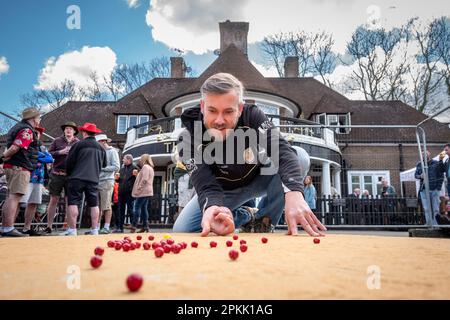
(143, 119)
(368, 179)
(332, 119)
(355, 179)
(133, 121)
(268, 109)
(322, 119)
(122, 124)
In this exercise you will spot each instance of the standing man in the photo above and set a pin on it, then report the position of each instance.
(127, 178)
(387, 190)
(83, 165)
(106, 181)
(20, 159)
(59, 149)
(226, 180)
(435, 180)
(33, 198)
(446, 165)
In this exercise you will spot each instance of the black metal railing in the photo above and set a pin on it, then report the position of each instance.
(380, 211)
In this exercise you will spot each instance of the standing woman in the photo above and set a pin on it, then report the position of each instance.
(310, 193)
(142, 191)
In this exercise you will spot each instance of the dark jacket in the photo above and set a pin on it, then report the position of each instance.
(60, 159)
(25, 158)
(210, 180)
(85, 160)
(435, 174)
(126, 180)
(446, 166)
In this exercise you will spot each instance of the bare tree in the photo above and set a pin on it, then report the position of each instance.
(426, 76)
(121, 81)
(5, 124)
(379, 72)
(442, 29)
(51, 98)
(314, 51)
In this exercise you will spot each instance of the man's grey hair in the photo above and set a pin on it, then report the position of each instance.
(222, 83)
(128, 156)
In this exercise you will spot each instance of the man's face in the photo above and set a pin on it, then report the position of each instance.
(69, 131)
(35, 122)
(221, 113)
(447, 150)
(126, 161)
(384, 183)
(103, 143)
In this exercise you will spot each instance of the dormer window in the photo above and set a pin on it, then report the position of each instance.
(126, 121)
(335, 120)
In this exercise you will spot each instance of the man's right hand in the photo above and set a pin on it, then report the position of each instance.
(218, 220)
(64, 151)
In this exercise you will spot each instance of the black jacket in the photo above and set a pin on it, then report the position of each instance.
(211, 179)
(85, 160)
(25, 158)
(126, 180)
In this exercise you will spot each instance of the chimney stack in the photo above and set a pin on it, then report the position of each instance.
(233, 33)
(177, 67)
(291, 67)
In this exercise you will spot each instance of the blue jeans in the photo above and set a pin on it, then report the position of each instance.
(190, 217)
(125, 201)
(435, 203)
(141, 210)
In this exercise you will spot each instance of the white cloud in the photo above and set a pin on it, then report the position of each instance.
(266, 72)
(193, 24)
(77, 66)
(4, 66)
(133, 3)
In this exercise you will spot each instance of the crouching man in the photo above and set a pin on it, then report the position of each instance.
(228, 170)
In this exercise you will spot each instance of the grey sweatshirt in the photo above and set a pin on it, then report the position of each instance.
(112, 165)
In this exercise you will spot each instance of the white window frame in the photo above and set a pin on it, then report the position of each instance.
(327, 120)
(361, 174)
(142, 118)
(320, 117)
(127, 122)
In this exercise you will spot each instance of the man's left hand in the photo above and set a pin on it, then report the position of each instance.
(297, 212)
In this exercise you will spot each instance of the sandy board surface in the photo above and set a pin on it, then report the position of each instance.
(284, 268)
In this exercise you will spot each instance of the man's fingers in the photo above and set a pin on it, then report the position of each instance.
(206, 228)
(307, 227)
(319, 224)
(292, 225)
(225, 223)
(312, 223)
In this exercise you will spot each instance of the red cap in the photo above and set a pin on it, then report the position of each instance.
(89, 127)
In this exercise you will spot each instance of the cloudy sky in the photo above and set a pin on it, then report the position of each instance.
(39, 47)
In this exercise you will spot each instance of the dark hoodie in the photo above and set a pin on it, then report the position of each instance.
(210, 180)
